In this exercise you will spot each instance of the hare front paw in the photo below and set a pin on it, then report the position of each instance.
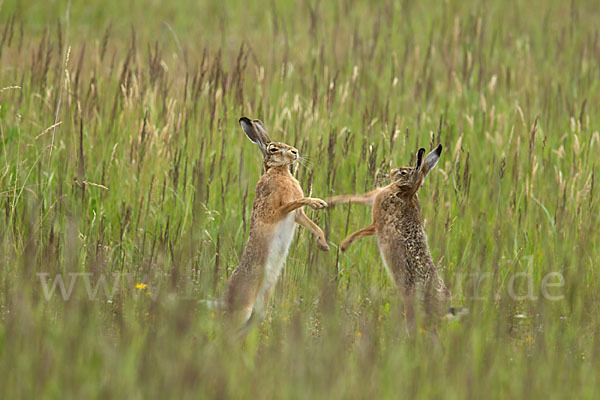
(322, 245)
(317, 204)
(344, 245)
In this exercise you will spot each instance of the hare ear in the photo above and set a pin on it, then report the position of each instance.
(420, 158)
(262, 131)
(431, 160)
(254, 134)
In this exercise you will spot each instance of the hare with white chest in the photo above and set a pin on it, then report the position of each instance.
(276, 211)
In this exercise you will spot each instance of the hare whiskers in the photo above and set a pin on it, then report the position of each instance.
(305, 162)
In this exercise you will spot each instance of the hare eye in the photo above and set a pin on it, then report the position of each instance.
(272, 150)
(294, 152)
(403, 173)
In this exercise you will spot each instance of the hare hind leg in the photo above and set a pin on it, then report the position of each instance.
(436, 300)
(366, 231)
(239, 320)
(259, 310)
(409, 300)
(239, 300)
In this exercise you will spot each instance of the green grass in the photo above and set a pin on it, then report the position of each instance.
(144, 98)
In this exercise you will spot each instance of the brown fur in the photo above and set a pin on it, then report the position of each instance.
(398, 224)
(278, 194)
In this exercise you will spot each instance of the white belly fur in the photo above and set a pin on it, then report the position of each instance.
(283, 233)
(385, 264)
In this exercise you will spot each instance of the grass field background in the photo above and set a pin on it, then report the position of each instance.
(121, 160)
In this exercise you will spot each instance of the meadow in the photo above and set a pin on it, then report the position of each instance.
(124, 172)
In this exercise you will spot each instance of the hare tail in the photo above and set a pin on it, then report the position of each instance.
(456, 313)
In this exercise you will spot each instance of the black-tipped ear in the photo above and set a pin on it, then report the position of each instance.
(420, 158)
(432, 159)
(253, 134)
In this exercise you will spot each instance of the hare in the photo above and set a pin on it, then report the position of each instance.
(398, 224)
(276, 211)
